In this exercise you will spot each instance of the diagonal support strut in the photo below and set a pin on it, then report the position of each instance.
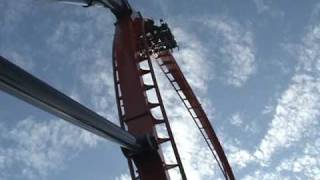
(21, 84)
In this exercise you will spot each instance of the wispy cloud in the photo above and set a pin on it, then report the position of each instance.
(193, 60)
(238, 157)
(97, 78)
(261, 6)
(237, 49)
(236, 119)
(296, 111)
(39, 147)
(306, 162)
(301, 164)
(124, 177)
(267, 7)
(298, 108)
(265, 175)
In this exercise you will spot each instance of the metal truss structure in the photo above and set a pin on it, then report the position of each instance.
(136, 40)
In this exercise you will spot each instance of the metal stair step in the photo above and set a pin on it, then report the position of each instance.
(170, 166)
(162, 140)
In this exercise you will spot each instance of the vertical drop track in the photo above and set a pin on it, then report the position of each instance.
(134, 108)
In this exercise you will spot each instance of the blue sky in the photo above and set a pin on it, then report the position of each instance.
(255, 66)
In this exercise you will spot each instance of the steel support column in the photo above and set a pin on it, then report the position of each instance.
(135, 109)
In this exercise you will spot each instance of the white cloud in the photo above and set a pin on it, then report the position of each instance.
(306, 162)
(261, 6)
(302, 164)
(238, 158)
(267, 7)
(296, 111)
(236, 120)
(298, 108)
(192, 59)
(265, 175)
(268, 109)
(39, 147)
(124, 177)
(97, 78)
(237, 49)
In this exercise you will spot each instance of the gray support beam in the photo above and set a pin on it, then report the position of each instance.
(117, 7)
(26, 87)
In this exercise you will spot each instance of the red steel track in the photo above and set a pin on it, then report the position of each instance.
(174, 74)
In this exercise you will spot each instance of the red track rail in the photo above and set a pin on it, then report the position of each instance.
(174, 74)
